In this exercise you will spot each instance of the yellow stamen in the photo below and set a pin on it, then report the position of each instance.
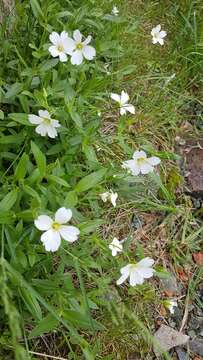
(56, 226)
(60, 48)
(79, 46)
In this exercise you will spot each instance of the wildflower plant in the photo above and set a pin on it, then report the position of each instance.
(58, 267)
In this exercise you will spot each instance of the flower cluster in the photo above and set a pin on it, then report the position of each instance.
(55, 229)
(76, 47)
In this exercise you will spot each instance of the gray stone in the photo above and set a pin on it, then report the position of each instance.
(170, 284)
(196, 346)
(182, 355)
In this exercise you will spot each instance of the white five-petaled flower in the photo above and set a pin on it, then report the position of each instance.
(140, 163)
(115, 246)
(123, 102)
(79, 49)
(60, 45)
(158, 35)
(45, 125)
(115, 11)
(170, 304)
(137, 272)
(111, 196)
(56, 229)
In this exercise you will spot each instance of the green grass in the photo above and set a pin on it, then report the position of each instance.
(67, 304)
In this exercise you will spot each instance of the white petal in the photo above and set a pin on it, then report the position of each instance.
(53, 51)
(124, 97)
(135, 278)
(104, 196)
(69, 46)
(146, 262)
(114, 251)
(63, 57)
(63, 215)
(146, 168)
(162, 34)
(113, 198)
(157, 28)
(154, 160)
(132, 166)
(87, 41)
(146, 273)
(89, 52)
(51, 240)
(122, 279)
(63, 36)
(34, 119)
(55, 123)
(160, 41)
(44, 114)
(43, 222)
(139, 154)
(77, 36)
(41, 129)
(130, 108)
(116, 97)
(69, 233)
(126, 269)
(77, 57)
(54, 37)
(154, 40)
(51, 131)
(122, 110)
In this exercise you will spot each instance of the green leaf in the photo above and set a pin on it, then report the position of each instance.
(6, 217)
(31, 303)
(37, 11)
(14, 90)
(90, 226)
(39, 158)
(20, 118)
(71, 199)
(21, 168)
(81, 321)
(58, 180)
(76, 118)
(9, 200)
(49, 64)
(46, 325)
(90, 180)
(12, 139)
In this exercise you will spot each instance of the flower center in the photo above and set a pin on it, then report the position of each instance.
(132, 267)
(60, 48)
(141, 160)
(56, 226)
(47, 121)
(79, 46)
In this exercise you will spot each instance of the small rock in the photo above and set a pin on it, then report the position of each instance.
(196, 346)
(170, 285)
(182, 355)
(192, 333)
(168, 338)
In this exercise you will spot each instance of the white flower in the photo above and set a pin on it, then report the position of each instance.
(55, 229)
(79, 49)
(60, 45)
(158, 35)
(123, 102)
(140, 163)
(111, 196)
(115, 11)
(170, 305)
(137, 272)
(46, 125)
(115, 246)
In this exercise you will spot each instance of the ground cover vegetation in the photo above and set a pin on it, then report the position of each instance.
(97, 98)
